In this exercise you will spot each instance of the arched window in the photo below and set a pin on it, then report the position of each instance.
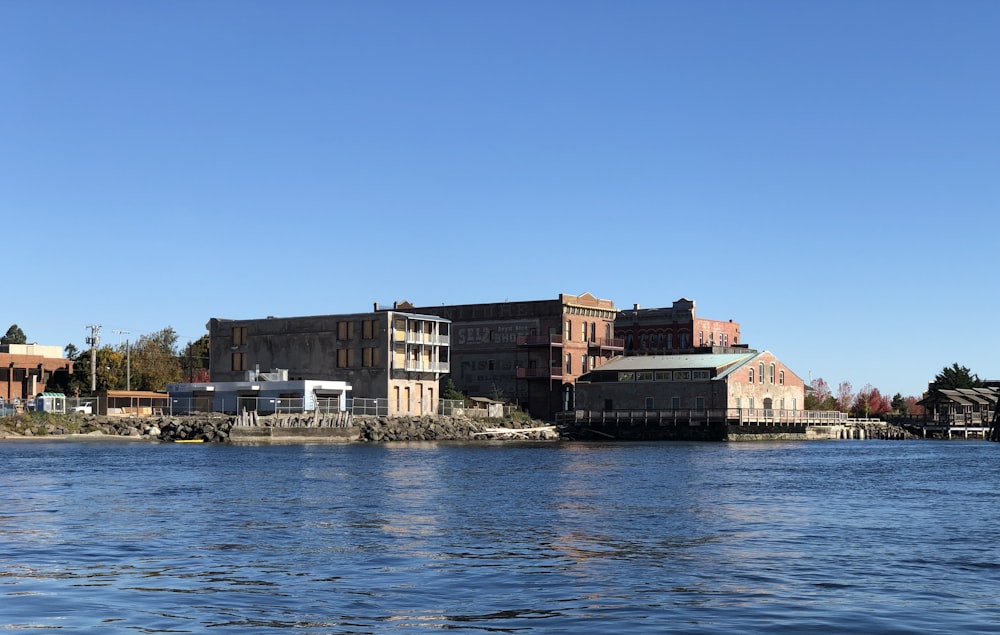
(751, 374)
(760, 368)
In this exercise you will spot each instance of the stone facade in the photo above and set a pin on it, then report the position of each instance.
(390, 355)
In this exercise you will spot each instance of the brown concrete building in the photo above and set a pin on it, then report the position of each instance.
(25, 369)
(394, 356)
(750, 380)
(531, 352)
(673, 330)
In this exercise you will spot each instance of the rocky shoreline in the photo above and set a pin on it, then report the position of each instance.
(218, 428)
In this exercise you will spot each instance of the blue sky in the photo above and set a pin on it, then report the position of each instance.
(824, 173)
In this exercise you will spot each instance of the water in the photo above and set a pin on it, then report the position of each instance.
(818, 537)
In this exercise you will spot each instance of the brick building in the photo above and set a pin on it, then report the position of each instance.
(748, 380)
(25, 369)
(390, 355)
(673, 330)
(530, 352)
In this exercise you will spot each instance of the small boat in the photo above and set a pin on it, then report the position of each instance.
(189, 440)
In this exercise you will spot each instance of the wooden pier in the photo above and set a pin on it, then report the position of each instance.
(721, 425)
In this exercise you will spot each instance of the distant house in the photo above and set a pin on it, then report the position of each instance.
(748, 380)
(961, 406)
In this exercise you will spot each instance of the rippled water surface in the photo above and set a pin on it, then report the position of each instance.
(819, 537)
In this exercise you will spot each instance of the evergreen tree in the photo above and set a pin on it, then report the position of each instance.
(14, 336)
(954, 377)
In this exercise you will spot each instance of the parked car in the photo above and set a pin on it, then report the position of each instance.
(84, 408)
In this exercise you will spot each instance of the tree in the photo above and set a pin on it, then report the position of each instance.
(14, 336)
(845, 396)
(449, 391)
(195, 359)
(898, 403)
(954, 377)
(155, 361)
(869, 402)
(819, 398)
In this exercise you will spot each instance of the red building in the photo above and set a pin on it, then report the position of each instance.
(674, 330)
(25, 369)
(531, 352)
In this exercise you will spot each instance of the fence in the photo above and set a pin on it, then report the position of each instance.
(275, 405)
(732, 416)
(81, 405)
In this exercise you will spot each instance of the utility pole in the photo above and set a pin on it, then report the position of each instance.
(128, 359)
(93, 340)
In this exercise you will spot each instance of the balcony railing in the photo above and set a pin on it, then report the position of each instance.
(540, 340)
(613, 343)
(426, 367)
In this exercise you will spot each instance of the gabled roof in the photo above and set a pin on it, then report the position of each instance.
(715, 361)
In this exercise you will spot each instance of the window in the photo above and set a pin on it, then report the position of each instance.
(682, 375)
(649, 403)
(644, 375)
(239, 361)
(593, 331)
(675, 403)
(772, 373)
(368, 329)
(626, 376)
(569, 364)
(664, 375)
(701, 374)
(670, 340)
(345, 330)
(699, 404)
(239, 336)
(369, 357)
(583, 363)
(345, 358)
(701, 338)
(781, 377)
(583, 332)
(608, 404)
(569, 330)
(760, 368)
(751, 375)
